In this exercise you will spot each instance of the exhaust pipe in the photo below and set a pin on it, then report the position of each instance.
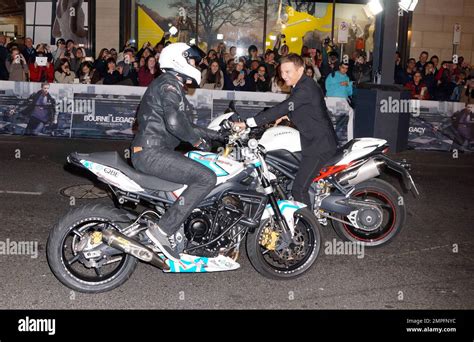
(119, 241)
(368, 170)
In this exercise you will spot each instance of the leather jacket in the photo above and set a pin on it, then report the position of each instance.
(164, 117)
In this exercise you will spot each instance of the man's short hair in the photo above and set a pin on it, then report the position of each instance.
(44, 84)
(293, 58)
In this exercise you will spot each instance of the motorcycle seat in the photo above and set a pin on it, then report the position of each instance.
(113, 160)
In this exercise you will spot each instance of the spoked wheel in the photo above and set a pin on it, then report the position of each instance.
(76, 253)
(277, 260)
(377, 226)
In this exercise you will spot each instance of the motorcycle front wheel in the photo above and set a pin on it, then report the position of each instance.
(270, 260)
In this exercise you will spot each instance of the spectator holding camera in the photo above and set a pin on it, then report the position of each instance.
(63, 73)
(17, 66)
(261, 79)
(270, 63)
(145, 50)
(79, 58)
(60, 49)
(239, 76)
(100, 64)
(429, 78)
(87, 74)
(128, 68)
(467, 93)
(42, 70)
(206, 62)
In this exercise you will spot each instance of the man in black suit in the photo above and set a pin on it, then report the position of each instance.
(307, 109)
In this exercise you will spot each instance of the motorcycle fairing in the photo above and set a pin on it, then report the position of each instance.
(287, 209)
(197, 264)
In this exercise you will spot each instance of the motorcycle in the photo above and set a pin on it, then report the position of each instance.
(347, 192)
(96, 247)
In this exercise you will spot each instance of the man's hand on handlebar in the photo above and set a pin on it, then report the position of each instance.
(278, 121)
(239, 126)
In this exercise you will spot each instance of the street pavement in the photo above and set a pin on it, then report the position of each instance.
(429, 265)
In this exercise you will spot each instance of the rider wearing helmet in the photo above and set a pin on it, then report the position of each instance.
(164, 122)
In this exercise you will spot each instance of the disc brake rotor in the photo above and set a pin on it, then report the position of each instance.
(271, 240)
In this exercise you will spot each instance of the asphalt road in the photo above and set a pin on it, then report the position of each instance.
(430, 265)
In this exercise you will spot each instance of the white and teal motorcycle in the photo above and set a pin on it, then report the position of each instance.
(95, 248)
(347, 193)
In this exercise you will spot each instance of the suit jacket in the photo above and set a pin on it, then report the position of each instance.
(307, 109)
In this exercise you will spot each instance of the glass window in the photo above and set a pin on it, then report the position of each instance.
(42, 27)
(43, 13)
(361, 29)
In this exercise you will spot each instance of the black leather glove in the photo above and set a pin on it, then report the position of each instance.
(203, 145)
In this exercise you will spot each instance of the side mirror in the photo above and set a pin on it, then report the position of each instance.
(232, 105)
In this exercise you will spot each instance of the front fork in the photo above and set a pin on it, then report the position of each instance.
(269, 191)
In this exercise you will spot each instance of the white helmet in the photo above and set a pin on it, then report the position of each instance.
(175, 58)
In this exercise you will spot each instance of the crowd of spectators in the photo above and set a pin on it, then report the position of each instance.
(428, 79)
(223, 69)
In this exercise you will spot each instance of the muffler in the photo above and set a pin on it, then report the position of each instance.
(368, 170)
(119, 241)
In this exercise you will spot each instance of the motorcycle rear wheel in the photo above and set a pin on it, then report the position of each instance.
(394, 211)
(67, 265)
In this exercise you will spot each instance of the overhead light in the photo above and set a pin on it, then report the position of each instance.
(173, 30)
(408, 5)
(373, 8)
(294, 39)
(273, 37)
(220, 36)
(267, 43)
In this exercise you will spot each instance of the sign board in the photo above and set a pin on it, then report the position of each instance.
(343, 33)
(457, 34)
